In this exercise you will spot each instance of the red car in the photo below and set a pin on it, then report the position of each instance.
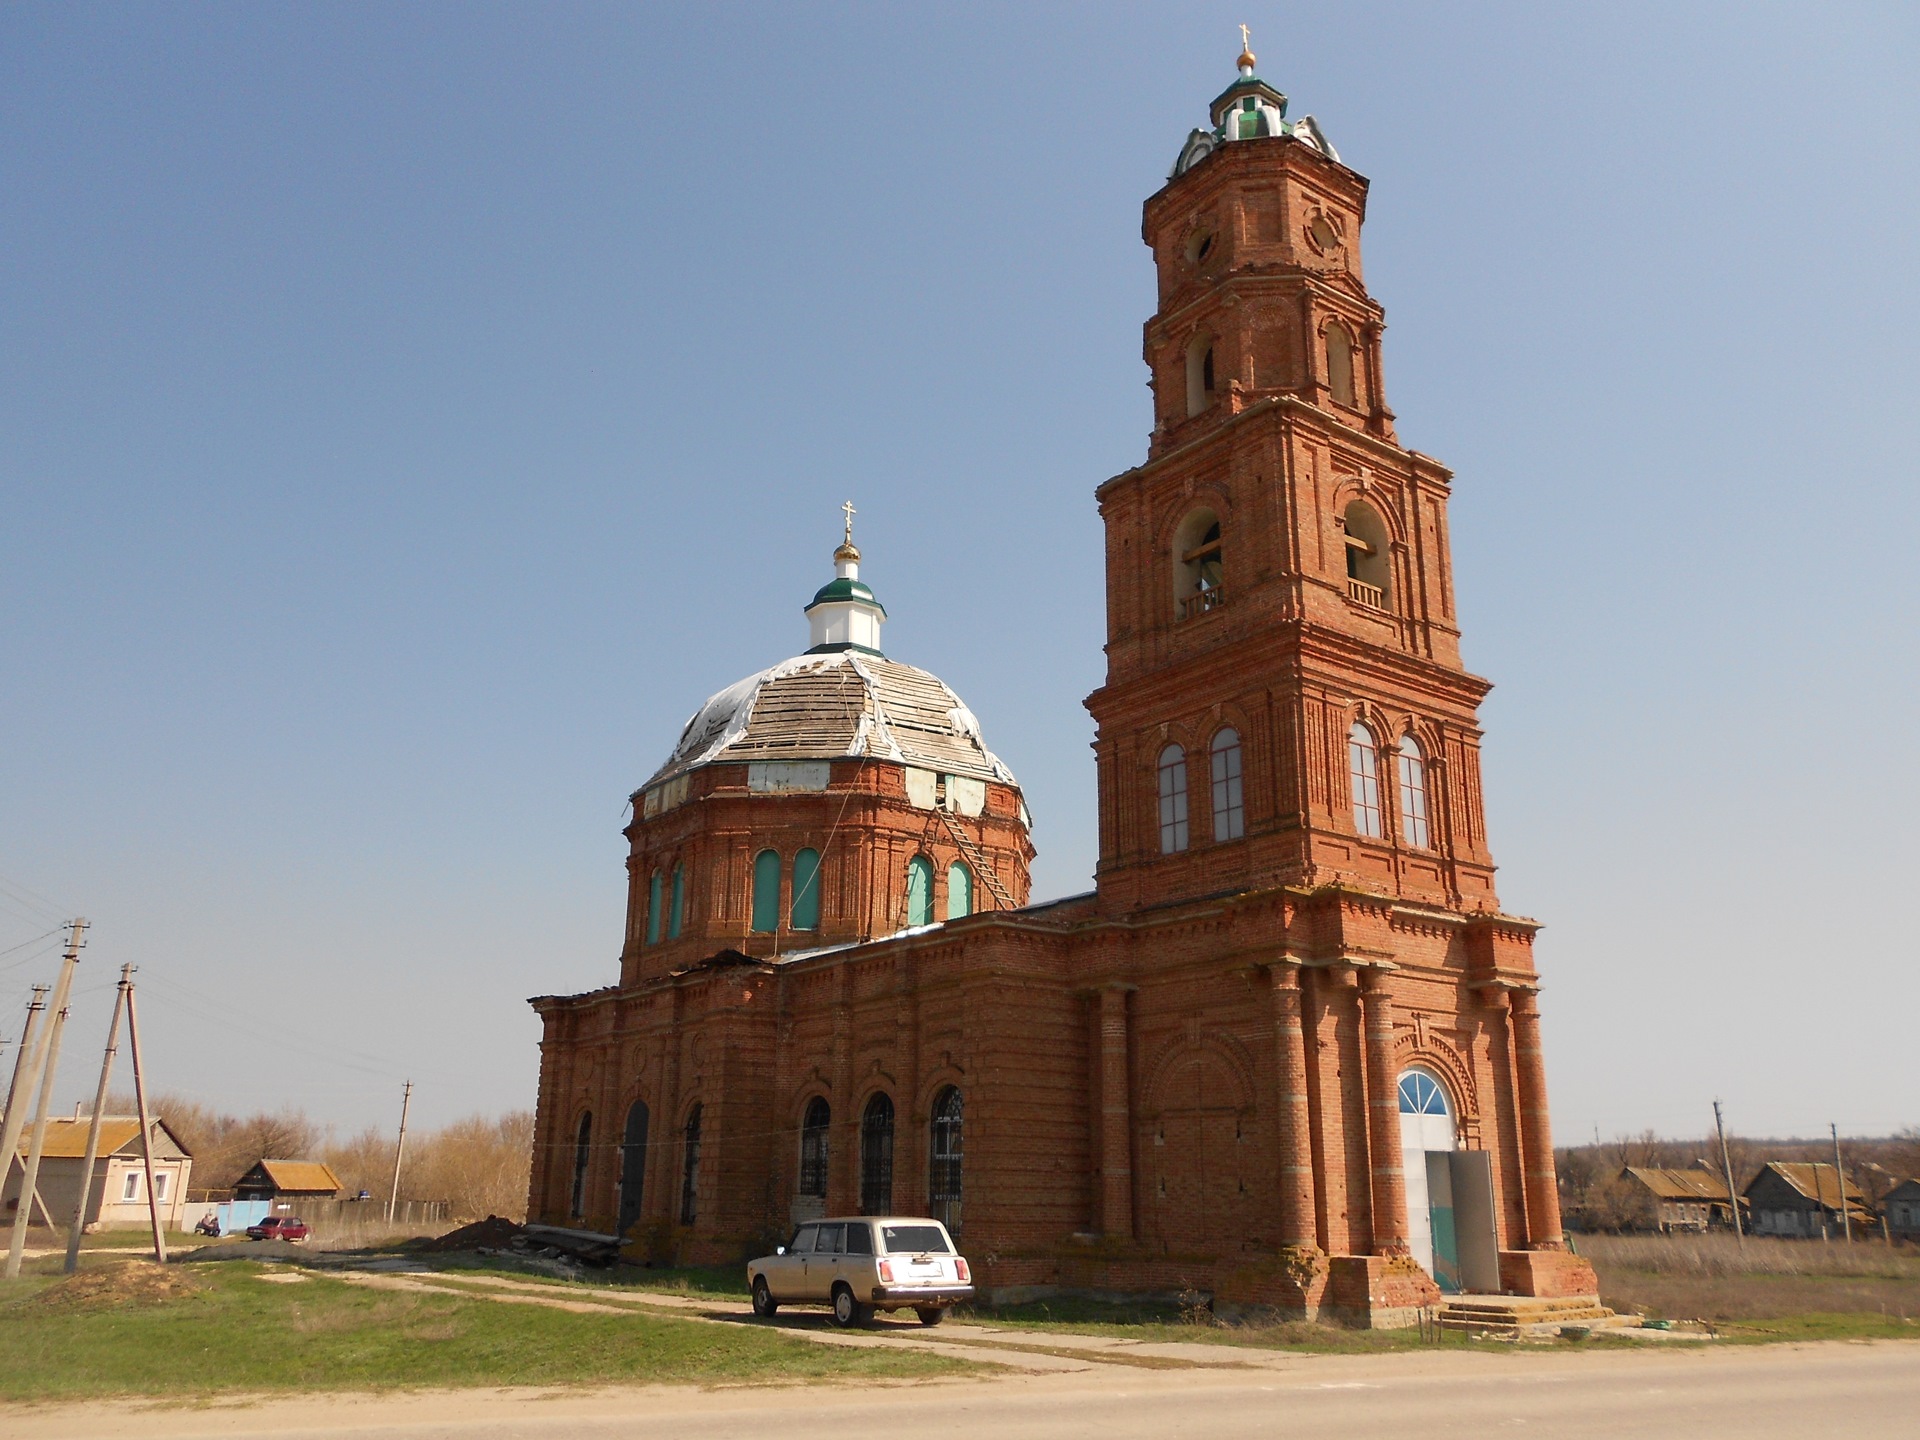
(279, 1227)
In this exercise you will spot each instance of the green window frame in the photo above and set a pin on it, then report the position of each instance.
(919, 891)
(766, 892)
(806, 890)
(653, 909)
(959, 891)
(679, 911)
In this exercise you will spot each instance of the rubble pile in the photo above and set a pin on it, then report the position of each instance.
(492, 1233)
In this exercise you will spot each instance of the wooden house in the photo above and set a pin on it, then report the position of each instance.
(1902, 1210)
(1801, 1198)
(287, 1180)
(1691, 1199)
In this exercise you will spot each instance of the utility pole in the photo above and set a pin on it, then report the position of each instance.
(21, 1056)
(1840, 1183)
(79, 1225)
(42, 1074)
(146, 1127)
(1726, 1166)
(399, 1150)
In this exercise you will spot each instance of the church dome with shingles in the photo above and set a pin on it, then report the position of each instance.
(841, 700)
(841, 704)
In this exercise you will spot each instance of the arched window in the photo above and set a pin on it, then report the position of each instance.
(1173, 800)
(690, 1170)
(959, 890)
(943, 1159)
(633, 1166)
(1413, 794)
(815, 1130)
(1199, 373)
(582, 1157)
(1420, 1094)
(766, 892)
(1363, 764)
(876, 1156)
(1369, 568)
(1229, 815)
(1199, 576)
(653, 909)
(806, 890)
(1340, 363)
(677, 912)
(919, 891)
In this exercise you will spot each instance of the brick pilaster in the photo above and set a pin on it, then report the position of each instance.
(1383, 1120)
(1536, 1133)
(1294, 1125)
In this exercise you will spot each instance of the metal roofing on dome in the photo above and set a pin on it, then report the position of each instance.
(837, 706)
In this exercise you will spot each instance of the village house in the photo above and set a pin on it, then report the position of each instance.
(117, 1198)
(1288, 1049)
(287, 1181)
(1902, 1210)
(1691, 1199)
(1802, 1199)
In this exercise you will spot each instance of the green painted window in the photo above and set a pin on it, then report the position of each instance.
(653, 909)
(920, 891)
(806, 890)
(766, 892)
(679, 911)
(959, 890)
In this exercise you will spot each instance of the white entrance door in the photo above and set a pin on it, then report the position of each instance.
(1426, 1127)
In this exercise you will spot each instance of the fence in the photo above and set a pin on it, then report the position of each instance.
(236, 1215)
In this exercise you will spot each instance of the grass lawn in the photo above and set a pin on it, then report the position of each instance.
(134, 1329)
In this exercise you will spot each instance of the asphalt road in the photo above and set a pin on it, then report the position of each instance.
(1792, 1392)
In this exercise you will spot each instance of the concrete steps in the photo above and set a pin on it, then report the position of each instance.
(1523, 1317)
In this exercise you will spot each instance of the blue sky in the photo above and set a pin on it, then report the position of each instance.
(408, 415)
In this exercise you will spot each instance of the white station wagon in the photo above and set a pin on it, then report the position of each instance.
(862, 1264)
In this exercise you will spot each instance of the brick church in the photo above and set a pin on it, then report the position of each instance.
(1288, 1049)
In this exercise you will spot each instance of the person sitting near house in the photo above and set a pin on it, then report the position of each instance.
(209, 1225)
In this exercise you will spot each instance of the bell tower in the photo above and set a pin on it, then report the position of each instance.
(1284, 702)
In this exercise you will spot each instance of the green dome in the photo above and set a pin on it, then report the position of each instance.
(845, 589)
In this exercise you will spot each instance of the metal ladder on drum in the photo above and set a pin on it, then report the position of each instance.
(978, 862)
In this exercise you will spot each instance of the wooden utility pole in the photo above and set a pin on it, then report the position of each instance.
(40, 1080)
(1840, 1183)
(1726, 1167)
(78, 1228)
(399, 1150)
(146, 1127)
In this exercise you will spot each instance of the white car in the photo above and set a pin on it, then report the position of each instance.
(861, 1264)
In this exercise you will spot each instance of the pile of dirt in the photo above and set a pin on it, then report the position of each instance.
(492, 1233)
(134, 1282)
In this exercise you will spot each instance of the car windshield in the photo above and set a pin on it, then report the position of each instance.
(914, 1238)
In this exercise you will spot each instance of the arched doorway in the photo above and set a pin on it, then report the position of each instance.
(1426, 1145)
(633, 1166)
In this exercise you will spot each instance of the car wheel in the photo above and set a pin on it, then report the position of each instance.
(847, 1311)
(930, 1314)
(764, 1305)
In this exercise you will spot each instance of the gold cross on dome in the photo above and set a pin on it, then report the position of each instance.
(851, 512)
(1246, 41)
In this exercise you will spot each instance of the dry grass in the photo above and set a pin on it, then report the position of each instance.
(1711, 1277)
(1721, 1255)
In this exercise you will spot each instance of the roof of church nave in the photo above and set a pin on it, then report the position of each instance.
(841, 699)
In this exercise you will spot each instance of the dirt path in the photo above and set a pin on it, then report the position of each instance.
(1747, 1393)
